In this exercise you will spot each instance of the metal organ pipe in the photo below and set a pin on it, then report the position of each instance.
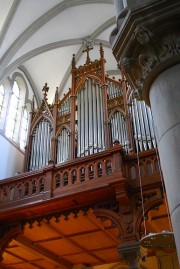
(86, 117)
(118, 129)
(98, 113)
(94, 114)
(37, 147)
(31, 165)
(82, 122)
(102, 120)
(142, 125)
(90, 119)
(90, 113)
(40, 153)
(41, 144)
(151, 126)
(44, 143)
(63, 146)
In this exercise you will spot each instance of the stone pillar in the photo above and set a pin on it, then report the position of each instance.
(147, 49)
(165, 105)
(130, 251)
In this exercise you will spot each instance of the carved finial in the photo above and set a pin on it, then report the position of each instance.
(101, 51)
(73, 62)
(45, 90)
(33, 104)
(56, 96)
(87, 50)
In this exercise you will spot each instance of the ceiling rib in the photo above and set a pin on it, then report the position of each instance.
(57, 9)
(8, 20)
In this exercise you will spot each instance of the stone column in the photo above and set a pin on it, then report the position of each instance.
(130, 251)
(147, 49)
(165, 105)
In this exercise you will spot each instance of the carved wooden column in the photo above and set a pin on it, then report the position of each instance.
(104, 97)
(130, 251)
(73, 109)
(53, 140)
(147, 49)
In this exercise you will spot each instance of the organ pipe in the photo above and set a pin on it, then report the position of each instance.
(118, 130)
(142, 123)
(90, 119)
(63, 146)
(40, 153)
(90, 112)
(94, 120)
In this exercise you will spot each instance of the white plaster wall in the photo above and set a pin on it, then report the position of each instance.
(11, 159)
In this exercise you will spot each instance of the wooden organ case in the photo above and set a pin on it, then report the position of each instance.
(96, 112)
(91, 151)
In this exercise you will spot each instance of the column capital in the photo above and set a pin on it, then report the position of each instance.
(148, 43)
(130, 252)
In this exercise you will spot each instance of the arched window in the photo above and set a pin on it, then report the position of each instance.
(13, 111)
(2, 94)
(24, 129)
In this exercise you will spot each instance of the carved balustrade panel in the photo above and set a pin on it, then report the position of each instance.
(47, 183)
(144, 166)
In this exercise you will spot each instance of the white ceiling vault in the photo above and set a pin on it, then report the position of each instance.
(40, 36)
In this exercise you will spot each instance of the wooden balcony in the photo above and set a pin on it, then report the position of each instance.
(81, 182)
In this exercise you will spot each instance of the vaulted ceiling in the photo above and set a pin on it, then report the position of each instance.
(40, 36)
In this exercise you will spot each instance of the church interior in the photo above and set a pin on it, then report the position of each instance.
(82, 184)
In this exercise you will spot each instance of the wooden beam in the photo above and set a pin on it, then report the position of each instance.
(70, 240)
(21, 239)
(23, 261)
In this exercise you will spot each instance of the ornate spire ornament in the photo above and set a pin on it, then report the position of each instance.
(101, 51)
(88, 44)
(87, 50)
(73, 62)
(56, 96)
(45, 90)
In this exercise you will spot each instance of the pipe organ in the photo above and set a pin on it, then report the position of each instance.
(95, 112)
(90, 118)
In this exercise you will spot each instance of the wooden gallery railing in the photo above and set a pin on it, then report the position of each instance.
(91, 172)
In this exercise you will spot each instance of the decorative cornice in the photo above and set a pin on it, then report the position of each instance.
(148, 44)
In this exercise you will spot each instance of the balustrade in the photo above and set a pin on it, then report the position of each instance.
(56, 179)
(31, 186)
(146, 165)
